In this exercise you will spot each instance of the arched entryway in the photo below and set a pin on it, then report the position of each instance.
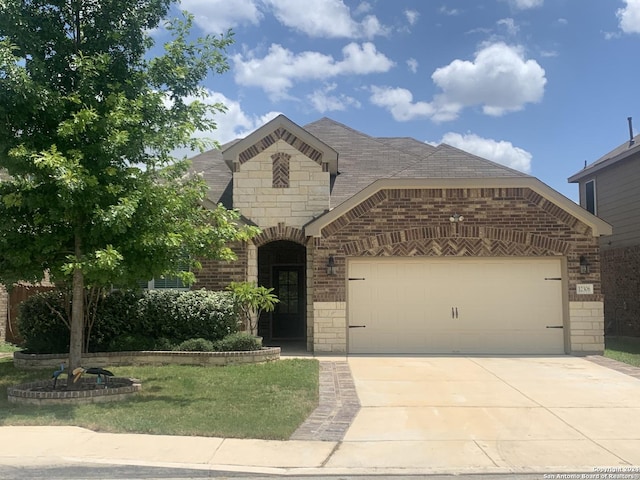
(282, 266)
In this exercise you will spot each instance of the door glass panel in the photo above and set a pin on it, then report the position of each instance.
(287, 291)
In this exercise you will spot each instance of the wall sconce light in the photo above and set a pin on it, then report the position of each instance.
(455, 218)
(584, 264)
(331, 265)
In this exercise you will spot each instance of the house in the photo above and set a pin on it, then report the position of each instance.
(391, 245)
(610, 189)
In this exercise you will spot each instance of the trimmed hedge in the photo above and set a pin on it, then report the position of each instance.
(238, 342)
(132, 320)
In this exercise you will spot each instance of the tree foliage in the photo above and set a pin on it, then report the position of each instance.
(88, 121)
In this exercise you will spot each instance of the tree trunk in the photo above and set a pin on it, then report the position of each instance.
(77, 316)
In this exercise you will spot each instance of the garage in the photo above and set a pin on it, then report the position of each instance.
(471, 305)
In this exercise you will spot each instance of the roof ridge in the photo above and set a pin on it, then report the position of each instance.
(335, 122)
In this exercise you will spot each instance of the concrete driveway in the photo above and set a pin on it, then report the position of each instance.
(488, 414)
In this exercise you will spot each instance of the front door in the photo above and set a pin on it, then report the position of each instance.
(288, 316)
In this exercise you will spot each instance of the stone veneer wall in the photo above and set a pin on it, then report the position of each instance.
(587, 327)
(330, 326)
(621, 287)
(497, 222)
(306, 196)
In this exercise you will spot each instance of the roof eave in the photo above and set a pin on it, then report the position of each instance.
(330, 155)
(596, 167)
(598, 226)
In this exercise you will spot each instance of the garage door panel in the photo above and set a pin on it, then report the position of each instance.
(451, 305)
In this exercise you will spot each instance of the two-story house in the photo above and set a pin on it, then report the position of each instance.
(610, 189)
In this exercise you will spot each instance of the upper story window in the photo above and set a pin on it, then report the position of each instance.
(280, 170)
(590, 196)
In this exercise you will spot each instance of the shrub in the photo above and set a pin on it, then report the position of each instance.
(163, 344)
(41, 325)
(132, 320)
(196, 345)
(238, 342)
(117, 315)
(131, 342)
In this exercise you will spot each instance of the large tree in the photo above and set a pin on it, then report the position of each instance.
(88, 123)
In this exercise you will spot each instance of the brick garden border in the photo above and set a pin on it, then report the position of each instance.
(115, 390)
(30, 361)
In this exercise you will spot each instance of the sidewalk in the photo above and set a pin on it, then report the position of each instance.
(322, 446)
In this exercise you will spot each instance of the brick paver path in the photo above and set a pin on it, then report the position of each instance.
(337, 406)
(615, 365)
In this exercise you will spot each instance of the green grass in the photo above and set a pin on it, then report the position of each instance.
(266, 401)
(623, 349)
(8, 347)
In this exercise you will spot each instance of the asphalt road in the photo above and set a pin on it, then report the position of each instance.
(126, 472)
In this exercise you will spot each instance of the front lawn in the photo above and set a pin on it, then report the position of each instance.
(8, 347)
(623, 349)
(266, 401)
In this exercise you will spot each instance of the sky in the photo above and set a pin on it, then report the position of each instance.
(542, 86)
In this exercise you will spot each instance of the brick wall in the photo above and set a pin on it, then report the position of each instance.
(497, 222)
(415, 222)
(216, 275)
(621, 287)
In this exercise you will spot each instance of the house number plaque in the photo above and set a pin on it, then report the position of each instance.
(584, 289)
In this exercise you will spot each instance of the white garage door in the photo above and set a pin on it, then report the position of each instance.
(455, 305)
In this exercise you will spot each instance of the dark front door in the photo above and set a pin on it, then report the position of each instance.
(288, 316)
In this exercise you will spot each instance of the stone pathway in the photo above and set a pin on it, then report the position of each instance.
(615, 365)
(337, 406)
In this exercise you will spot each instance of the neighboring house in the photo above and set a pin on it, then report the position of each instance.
(610, 189)
(390, 245)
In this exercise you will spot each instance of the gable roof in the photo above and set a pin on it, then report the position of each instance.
(597, 225)
(361, 159)
(616, 155)
(365, 159)
(281, 128)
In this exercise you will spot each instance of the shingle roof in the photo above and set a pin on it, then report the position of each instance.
(363, 159)
(621, 152)
(216, 173)
(450, 162)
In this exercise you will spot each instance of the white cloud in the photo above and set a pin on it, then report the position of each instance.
(399, 101)
(217, 16)
(525, 4)
(510, 25)
(629, 17)
(362, 8)
(412, 63)
(323, 100)
(412, 16)
(500, 151)
(232, 124)
(499, 78)
(280, 68)
(449, 11)
(324, 18)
